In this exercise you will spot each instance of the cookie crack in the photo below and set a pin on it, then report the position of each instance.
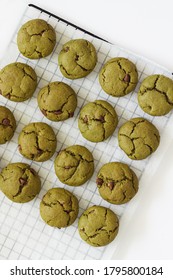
(60, 110)
(133, 150)
(135, 125)
(159, 91)
(22, 185)
(80, 156)
(111, 183)
(63, 207)
(10, 94)
(24, 72)
(100, 105)
(61, 66)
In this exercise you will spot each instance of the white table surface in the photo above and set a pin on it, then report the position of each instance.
(144, 27)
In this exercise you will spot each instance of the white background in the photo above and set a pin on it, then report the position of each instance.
(144, 27)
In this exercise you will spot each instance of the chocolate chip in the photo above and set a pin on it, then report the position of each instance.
(58, 112)
(99, 181)
(67, 167)
(127, 78)
(44, 112)
(22, 181)
(111, 185)
(66, 49)
(77, 57)
(6, 122)
(39, 151)
(8, 96)
(101, 119)
(85, 119)
(0, 92)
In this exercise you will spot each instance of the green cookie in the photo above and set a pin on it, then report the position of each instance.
(98, 226)
(18, 81)
(19, 182)
(59, 208)
(118, 76)
(7, 124)
(117, 183)
(36, 39)
(138, 138)
(77, 59)
(97, 121)
(37, 141)
(155, 95)
(57, 101)
(74, 165)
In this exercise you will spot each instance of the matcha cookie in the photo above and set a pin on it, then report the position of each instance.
(7, 125)
(19, 182)
(18, 81)
(74, 165)
(98, 226)
(117, 183)
(37, 141)
(77, 59)
(138, 138)
(59, 208)
(36, 39)
(155, 96)
(57, 101)
(118, 76)
(97, 121)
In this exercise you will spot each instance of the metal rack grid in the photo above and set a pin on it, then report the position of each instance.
(23, 235)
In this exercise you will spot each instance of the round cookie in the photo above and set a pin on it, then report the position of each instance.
(57, 101)
(155, 96)
(118, 76)
(98, 226)
(7, 125)
(74, 165)
(19, 182)
(117, 183)
(97, 121)
(36, 39)
(77, 59)
(138, 138)
(37, 141)
(18, 81)
(59, 208)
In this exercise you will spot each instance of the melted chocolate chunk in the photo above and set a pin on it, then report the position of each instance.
(99, 181)
(6, 122)
(127, 78)
(22, 181)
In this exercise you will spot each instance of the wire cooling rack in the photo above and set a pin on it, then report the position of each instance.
(23, 235)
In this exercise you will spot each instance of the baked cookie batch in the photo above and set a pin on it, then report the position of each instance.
(138, 138)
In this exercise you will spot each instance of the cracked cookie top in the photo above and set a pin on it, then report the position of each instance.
(97, 121)
(57, 101)
(118, 76)
(36, 39)
(77, 59)
(18, 81)
(138, 138)
(19, 182)
(117, 183)
(59, 208)
(98, 226)
(37, 141)
(7, 124)
(155, 95)
(74, 165)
